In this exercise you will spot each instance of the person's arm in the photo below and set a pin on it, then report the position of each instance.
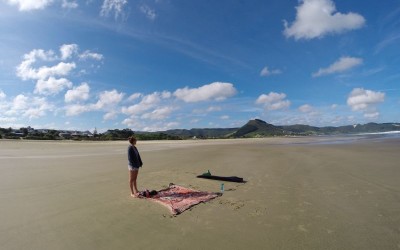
(131, 156)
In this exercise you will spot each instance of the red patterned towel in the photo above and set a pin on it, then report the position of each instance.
(179, 199)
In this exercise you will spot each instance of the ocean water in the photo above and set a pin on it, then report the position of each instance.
(352, 138)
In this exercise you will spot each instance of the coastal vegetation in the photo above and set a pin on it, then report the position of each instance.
(252, 129)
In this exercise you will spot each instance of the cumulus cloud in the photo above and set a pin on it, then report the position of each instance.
(52, 79)
(341, 65)
(25, 70)
(108, 99)
(27, 5)
(267, 72)
(273, 101)
(110, 115)
(80, 93)
(115, 6)
(51, 86)
(365, 101)
(45, 76)
(20, 102)
(134, 96)
(148, 12)
(306, 108)
(132, 122)
(67, 50)
(38, 108)
(2, 95)
(317, 18)
(76, 109)
(148, 102)
(214, 91)
(31, 107)
(159, 113)
(90, 55)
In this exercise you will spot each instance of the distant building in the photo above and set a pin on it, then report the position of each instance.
(65, 135)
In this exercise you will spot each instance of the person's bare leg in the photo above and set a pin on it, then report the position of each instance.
(133, 183)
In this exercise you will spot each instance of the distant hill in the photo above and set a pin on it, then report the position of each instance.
(260, 128)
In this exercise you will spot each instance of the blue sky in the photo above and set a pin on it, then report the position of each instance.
(162, 64)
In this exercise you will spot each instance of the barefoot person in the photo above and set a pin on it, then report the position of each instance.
(134, 163)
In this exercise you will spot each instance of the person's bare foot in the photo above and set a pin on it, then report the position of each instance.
(135, 195)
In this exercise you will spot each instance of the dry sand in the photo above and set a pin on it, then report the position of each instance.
(298, 195)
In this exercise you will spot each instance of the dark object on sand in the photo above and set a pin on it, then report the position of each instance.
(148, 193)
(221, 178)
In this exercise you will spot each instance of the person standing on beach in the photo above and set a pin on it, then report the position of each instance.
(134, 163)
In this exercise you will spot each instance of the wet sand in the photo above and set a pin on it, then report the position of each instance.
(301, 193)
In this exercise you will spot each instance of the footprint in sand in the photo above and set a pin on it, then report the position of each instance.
(235, 205)
(260, 211)
(302, 228)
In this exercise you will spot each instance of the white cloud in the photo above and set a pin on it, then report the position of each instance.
(159, 113)
(213, 91)
(224, 117)
(371, 115)
(67, 50)
(37, 108)
(316, 18)
(20, 102)
(149, 13)
(160, 126)
(69, 4)
(2, 95)
(27, 5)
(115, 6)
(213, 109)
(108, 99)
(267, 72)
(166, 94)
(208, 110)
(306, 108)
(61, 69)
(273, 101)
(134, 96)
(31, 107)
(25, 71)
(90, 55)
(80, 93)
(147, 102)
(76, 109)
(341, 65)
(51, 86)
(110, 115)
(334, 106)
(132, 122)
(45, 75)
(365, 101)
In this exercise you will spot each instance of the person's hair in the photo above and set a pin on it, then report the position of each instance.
(132, 139)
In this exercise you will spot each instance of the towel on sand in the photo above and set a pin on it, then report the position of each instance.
(178, 199)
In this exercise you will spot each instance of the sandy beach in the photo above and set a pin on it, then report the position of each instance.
(301, 193)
